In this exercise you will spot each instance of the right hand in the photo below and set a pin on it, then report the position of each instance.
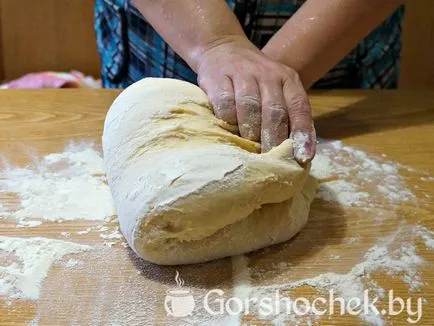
(264, 98)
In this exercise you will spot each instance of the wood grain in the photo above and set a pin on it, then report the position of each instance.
(114, 287)
(417, 63)
(1, 46)
(48, 35)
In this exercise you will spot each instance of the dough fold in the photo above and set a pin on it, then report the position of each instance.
(186, 188)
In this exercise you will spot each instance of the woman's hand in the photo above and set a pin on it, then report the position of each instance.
(265, 98)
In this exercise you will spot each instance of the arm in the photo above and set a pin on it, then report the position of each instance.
(323, 31)
(265, 98)
(191, 27)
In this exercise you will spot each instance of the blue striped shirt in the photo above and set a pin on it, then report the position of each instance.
(130, 49)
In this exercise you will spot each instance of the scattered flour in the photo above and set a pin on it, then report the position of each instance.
(113, 235)
(27, 262)
(351, 240)
(110, 243)
(427, 236)
(84, 231)
(241, 282)
(102, 228)
(2, 210)
(28, 223)
(71, 185)
(342, 192)
(357, 178)
(106, 232)
(35, 321)
(72, 263)
(61, 186)
(400, 261)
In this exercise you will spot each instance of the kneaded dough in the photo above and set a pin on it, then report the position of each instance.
(186, 188)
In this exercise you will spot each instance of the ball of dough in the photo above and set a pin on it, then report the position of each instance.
(187, 188)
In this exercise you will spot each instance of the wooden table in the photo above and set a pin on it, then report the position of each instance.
(115, 288)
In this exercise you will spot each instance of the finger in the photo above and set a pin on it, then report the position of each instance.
(300, 118)
(222, 98)
(248, 106)
(274, 129)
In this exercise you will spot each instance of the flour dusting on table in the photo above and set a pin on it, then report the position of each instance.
(26, 262)
(361, 180)
(349, 177)
(61, 186)
(71, 185)
(390, 256)
(2, 210)
(426, 235)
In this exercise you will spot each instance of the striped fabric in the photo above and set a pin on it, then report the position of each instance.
(131, 49)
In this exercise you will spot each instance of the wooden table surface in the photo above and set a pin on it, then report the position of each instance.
(115, 288)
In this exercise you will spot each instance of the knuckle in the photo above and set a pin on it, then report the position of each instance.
(202, 81)
(265, 70)
(251, 102)
(206, 81)
(274, 106)
(223, 100)
(275, 111)
(299, 104)
(291, 73)
(224, 107)
(292, 77)
(278, 116)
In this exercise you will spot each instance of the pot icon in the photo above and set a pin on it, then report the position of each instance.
(179, 302)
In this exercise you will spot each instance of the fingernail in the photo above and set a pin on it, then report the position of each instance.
(303, 146)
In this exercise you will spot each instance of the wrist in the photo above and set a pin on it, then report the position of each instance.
(273, 53)
(223, 44)
(277, 55)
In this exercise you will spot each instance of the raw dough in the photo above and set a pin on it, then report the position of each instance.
(186, 188)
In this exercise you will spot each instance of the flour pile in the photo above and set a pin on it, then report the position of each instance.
(26, 262)
(59, 187)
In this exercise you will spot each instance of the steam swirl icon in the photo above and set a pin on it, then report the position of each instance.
(179, 302)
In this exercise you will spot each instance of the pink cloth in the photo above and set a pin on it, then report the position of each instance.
(49, 79)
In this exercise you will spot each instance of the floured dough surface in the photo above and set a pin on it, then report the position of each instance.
(186, 188)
